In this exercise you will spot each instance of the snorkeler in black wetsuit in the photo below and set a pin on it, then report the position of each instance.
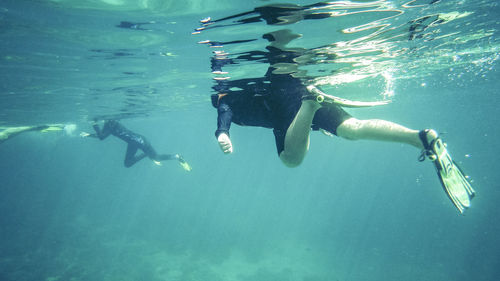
(287, 101)
(135, 142)
(134, 25)
(272, 106)
(271, 101)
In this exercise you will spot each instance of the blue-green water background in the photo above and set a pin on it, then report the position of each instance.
(352, 211)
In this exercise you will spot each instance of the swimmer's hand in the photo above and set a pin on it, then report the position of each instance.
(84, 134)
(183, 163)
(225, 143)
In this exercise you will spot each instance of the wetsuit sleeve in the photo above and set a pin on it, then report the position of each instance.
(224, 117)
(102, 134)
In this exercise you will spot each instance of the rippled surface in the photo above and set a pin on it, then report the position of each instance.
(74, 60)
(362, 43)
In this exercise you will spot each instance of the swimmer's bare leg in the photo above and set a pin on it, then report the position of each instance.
(297, 135)
(130, 157)
(355, 129)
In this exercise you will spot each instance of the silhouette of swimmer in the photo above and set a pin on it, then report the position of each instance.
(10, 132)
(133, 25)
(135, 142)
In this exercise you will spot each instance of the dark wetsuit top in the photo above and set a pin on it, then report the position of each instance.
(274, 109)
(112, 127)
(273, 100)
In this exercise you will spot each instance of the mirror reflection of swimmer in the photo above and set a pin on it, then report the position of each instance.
(284, 14)
(135, 142)
(274, 14)
(418, 26)
(134, 25)
(10, 132)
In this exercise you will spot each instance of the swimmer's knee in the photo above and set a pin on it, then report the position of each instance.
(349, 128)
(290, 162)
(128, 163)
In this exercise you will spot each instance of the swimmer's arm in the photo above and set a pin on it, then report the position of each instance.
(100, 134)
(224, 118)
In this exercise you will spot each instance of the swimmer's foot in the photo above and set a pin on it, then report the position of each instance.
(184, 164)
(221, 78)
(428, 138)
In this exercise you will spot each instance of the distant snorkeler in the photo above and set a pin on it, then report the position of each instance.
(10, 132)
(134, 25)
(135, 142)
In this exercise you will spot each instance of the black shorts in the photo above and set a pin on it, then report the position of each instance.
(328, 118)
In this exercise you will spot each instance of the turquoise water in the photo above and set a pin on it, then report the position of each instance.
(352, 211)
